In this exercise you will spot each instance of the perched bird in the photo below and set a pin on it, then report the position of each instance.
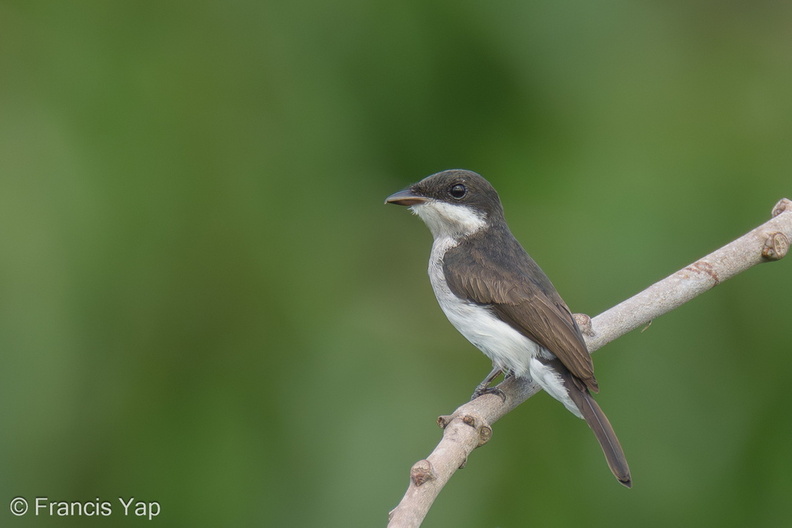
(496, 296)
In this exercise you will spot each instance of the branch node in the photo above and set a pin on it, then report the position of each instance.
(443, 420)
(584, 323)
(469, 419)
(776, 246)
(783, 206)
(485, 433)
(482, 428)
(422, 472)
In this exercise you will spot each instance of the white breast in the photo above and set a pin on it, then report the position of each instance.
(507, 348)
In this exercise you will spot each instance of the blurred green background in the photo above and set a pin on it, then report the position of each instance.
(205, 302)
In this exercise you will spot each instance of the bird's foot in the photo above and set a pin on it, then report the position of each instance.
(484, 386)
(481, 391)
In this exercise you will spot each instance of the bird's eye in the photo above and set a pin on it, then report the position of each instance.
(457, 191)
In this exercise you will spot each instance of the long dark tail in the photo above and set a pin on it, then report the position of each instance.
(599, 423)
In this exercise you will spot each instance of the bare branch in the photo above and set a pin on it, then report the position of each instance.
(470, 425)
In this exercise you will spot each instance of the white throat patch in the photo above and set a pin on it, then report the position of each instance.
(447, 220)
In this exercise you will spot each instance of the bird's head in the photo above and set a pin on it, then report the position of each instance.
(452, 203)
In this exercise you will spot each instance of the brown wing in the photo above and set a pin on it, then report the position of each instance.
(519, 292)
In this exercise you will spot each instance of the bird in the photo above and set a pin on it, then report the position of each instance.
(501, 301)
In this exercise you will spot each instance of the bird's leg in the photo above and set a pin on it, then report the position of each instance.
(484, 388)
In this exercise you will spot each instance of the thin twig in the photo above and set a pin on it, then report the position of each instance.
(470, 425)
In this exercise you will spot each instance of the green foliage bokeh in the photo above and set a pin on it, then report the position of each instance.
(205, 302)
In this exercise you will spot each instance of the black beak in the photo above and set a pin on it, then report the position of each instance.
(405, 197)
